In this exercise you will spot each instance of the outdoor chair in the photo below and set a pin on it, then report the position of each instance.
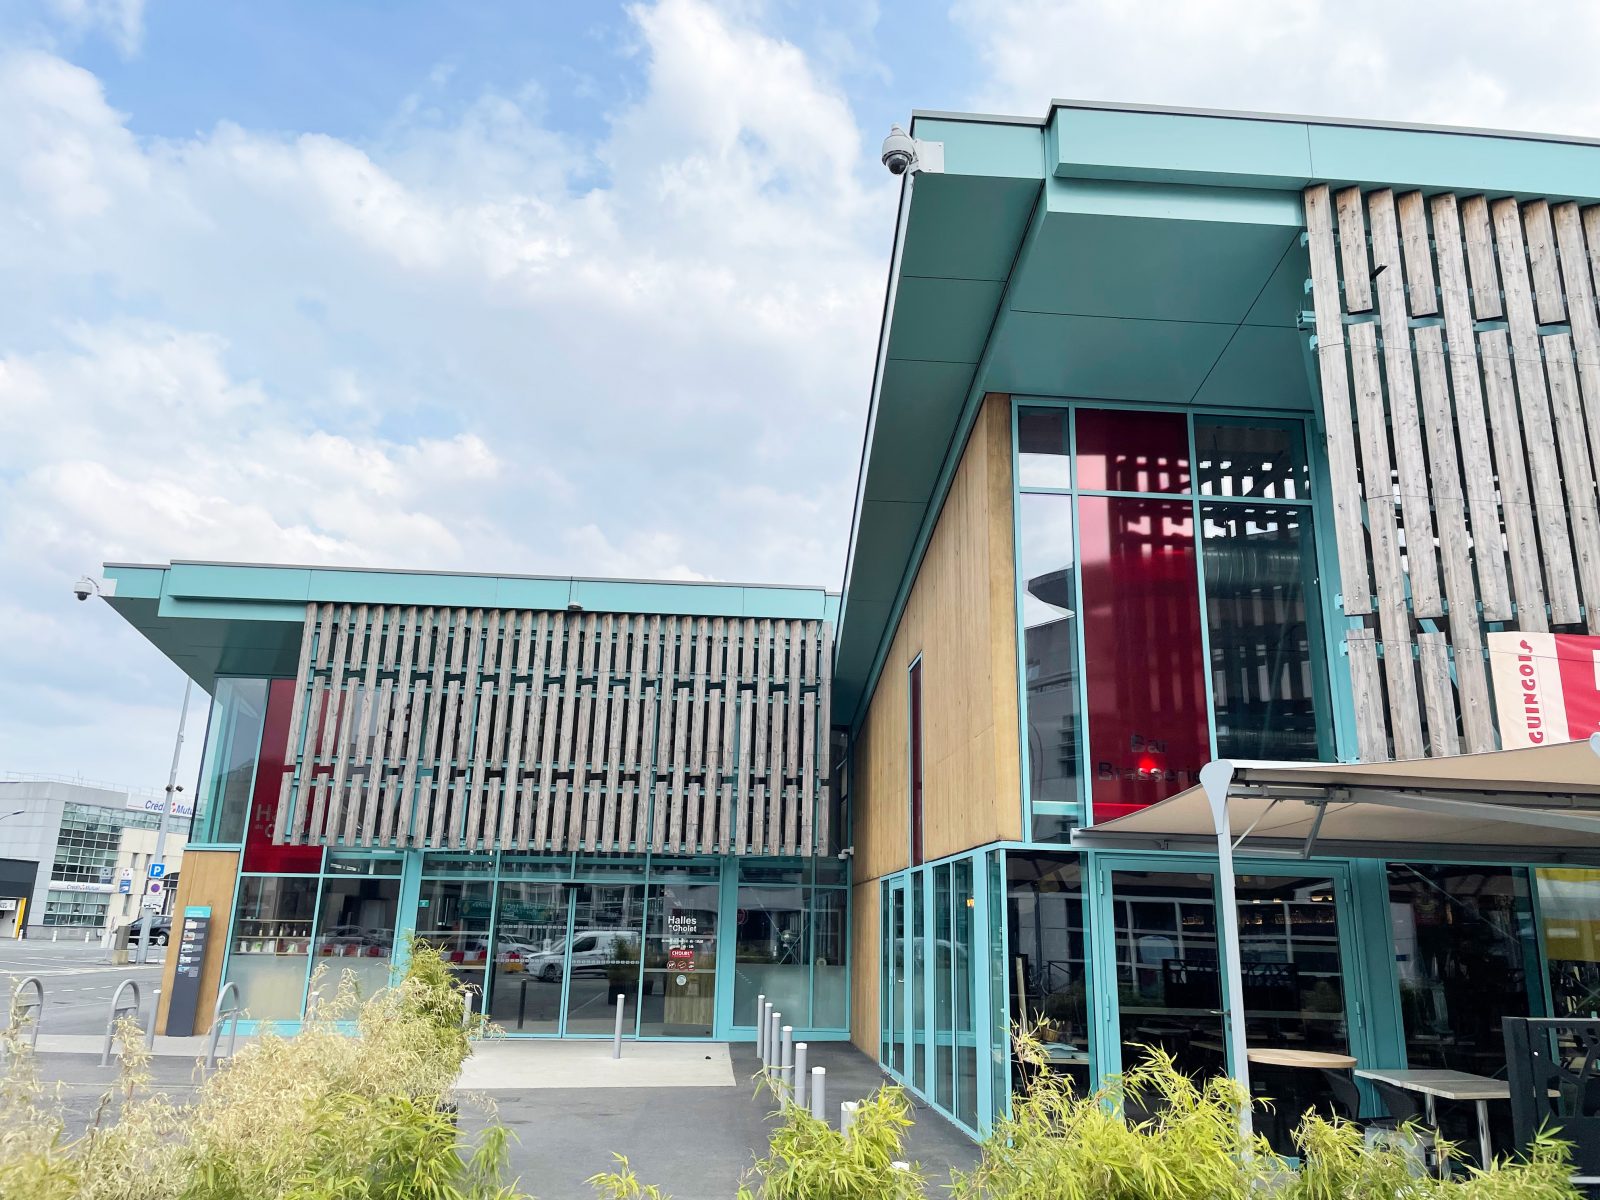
(1554, 1090)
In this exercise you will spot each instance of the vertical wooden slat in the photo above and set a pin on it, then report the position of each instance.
(1480, 258)
(1516, 500)
(798, 700)
(1561, 587)
(576, 651)
(1433, 656)
(760, 759)
(600, 739)
(444, 769)
(356, 831)
(632, 737)
(427, 686)
(1488, 549)
(1542, 261)
(1420, 288)
(726, 786)
(332, 714)
(711, 792)
(742, 818)
(1581, 311)
(1334, 378)
(382, 727)
(1367, 693)
(576, 757)
(682, 698)
(1353, 251)
(1411, 465)
(318, 703)
(475, 685)
(494, 672)
(400, 709)
(1576, 473)
(1405, 721)
(808, 741)
(643, 833)
(777, 701)
(511, 802)
(297, 710)
(661, 764)
(627, 657)
(560, 670)
(696, 754)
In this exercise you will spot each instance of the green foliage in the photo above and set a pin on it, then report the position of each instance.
(623, 1184)
(809, 1160)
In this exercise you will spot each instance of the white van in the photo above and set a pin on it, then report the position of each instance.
(593, 950)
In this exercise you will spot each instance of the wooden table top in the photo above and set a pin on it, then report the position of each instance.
(1447, 1085)
(1284, 1056)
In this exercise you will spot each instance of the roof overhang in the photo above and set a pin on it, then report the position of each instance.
(1118, 253)
(1537, 804)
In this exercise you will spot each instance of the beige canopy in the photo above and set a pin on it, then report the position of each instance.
(1537, 804)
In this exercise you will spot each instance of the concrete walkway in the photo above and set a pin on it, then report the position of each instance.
(511, 1066)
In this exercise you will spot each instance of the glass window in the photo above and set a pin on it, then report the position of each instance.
(1048, 570)
(1569, 906)
(271, 945)
(830, 976)
(963, 907)
(1042, 448)
(1265, 688)
(1127, 450)
(1048, 959)
(355, 930)
(228, 767)
(1146, 685)
(917, 1027)
(680, 964)
(453, 914)
(529, 957)
(944, 1017)
(771, 957)
(1251, 461)
(607, 924)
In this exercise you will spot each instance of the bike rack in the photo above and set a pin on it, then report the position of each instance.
(216, 1023)
(118, 1009)
(33, 1008)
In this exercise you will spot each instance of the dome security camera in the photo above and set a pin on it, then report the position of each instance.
(899, 151)
(85, 588)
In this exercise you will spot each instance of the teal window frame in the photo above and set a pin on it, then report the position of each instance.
(1322, 612)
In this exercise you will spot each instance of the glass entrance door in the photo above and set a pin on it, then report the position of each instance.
(562, 952)
(894, 1049)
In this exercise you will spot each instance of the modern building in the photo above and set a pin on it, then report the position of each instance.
(1219, 436)
(1195, 438)
(578, 787)
(17, 876)
(135, 890)
(75, 830)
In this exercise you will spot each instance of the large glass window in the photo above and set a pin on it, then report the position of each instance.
(1569, 910)
(355, 930)
(228, 767)
(1048, 959)
(789, 946)
(1166, 579)
(453, 914)
(680, 968)
(271, 945)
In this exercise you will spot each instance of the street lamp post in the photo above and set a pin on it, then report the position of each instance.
(161, 830)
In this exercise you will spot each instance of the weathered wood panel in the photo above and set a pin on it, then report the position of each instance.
(557, 731)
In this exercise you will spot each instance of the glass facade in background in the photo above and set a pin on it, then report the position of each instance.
(453, 915)
(530, 938)
(790, 937)
(356, 929)
(1569, 911)
(228, 766)
(1146, 539)
(680, 971)
(1047, 961)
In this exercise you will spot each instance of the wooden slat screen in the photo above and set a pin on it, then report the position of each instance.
(1458, 349)
(481, 729)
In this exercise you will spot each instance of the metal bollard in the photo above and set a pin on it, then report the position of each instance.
(786, 1062)
(55, 934)
(774, 1045)
(800, 1074)
(616, 1038)
(150, 1025)
(847, 1115)
(766, 1023)
(819, 1101)
(466, 1009)
(761, 1025)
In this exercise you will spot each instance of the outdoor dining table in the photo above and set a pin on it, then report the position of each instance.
(1448, 1085)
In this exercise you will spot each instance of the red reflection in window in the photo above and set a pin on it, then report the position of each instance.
(260, 854)
(1144, 667)
(1131, 451)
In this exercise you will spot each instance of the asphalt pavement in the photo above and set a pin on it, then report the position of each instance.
(78, 981)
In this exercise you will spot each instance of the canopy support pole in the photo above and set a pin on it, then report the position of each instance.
(1216, 778)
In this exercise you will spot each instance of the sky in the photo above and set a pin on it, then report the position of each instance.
(537, 287)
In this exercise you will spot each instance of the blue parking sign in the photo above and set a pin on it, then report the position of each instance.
(157, 870)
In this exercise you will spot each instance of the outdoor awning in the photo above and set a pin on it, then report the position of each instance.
(1537, 804)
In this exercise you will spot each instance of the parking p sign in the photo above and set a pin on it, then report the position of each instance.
(157, 870)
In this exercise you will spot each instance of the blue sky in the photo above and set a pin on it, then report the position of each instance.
(539, 287)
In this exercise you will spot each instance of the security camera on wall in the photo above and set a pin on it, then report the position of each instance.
(903, 153)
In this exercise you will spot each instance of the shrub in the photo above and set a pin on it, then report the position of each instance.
(809, 1160)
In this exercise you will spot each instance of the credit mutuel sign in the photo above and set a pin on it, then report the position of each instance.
(1546, 687)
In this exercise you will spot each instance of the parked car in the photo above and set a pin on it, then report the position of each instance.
(160, 930)
(593, 950)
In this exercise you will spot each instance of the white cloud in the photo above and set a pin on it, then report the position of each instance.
(1463, 64)
(122, 21)
(472, 342)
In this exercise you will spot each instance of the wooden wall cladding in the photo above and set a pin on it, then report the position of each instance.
(1458, 348)
(559, 731)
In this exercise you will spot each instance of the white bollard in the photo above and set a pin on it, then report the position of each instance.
(819, 1101)
(616, 1040)
(150, 1025)
(761, 1026)
(786, 1063)
(88, 936)
(55, 934)
(774, 1047)
(847, 1115)
(766, 1024)
(800, 1075)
